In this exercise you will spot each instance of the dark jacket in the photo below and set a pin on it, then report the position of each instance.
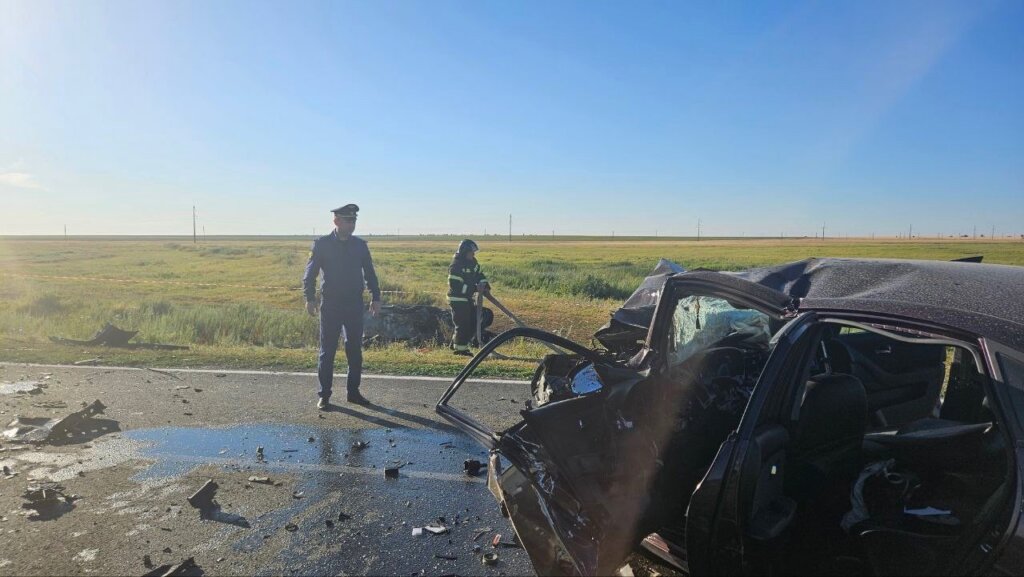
(463, 276)
(347, 267)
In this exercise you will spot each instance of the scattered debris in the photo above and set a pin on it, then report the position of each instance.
(344, 517)
(23, 430)
(436, 529)
(329, 523)
(445, 557)
(291, 527)
(48, 500)
(221, 375)
(360, 445)
(203, 498)
(311, 439)
(417, 531)
(476, 548)
(391, 472)
(21, 387)
(186, 568)
(50, 405)
(259, 455)
(481, 533)
(472, 467)
(87, 361)
(298, 495)
(111, 336)
(489, 559)
(260, 480)
(147, 562)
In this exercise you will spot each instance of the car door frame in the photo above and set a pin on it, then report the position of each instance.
(717, 548)
(473, 427)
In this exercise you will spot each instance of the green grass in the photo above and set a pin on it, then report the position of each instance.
(237, 302)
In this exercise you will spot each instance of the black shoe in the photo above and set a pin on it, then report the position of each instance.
(462, 353)
(323, 404)
(358, 399)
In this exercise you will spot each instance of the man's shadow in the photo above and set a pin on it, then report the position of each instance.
(383, 422)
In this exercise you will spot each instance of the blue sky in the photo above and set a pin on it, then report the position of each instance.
(760, 118)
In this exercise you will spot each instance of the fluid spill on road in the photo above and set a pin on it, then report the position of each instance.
(347, 516)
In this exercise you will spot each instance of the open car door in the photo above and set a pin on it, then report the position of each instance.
(558, 471)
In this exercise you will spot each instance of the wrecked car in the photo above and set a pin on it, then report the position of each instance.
(828, 416)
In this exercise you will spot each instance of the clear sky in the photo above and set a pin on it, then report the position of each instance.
(760, 118)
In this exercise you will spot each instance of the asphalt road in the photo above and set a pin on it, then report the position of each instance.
(326, 507)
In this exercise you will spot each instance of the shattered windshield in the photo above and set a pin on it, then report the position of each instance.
(701, 322)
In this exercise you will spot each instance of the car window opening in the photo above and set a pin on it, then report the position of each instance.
(890, 445)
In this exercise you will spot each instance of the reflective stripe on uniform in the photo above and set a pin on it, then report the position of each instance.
(460, 347)
(452, 299)
(458, 278)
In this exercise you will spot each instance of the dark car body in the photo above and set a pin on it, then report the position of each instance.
(827, 416)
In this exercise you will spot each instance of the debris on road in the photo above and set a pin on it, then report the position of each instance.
(298, 495)
(489, 559)
(203, 498)
(445, 557)
(186, 568)
(344, 517)
(472, 467)
(391, 473)
(436, 529)
(261, 480)
(23, 430)
(92, 361)
(417, 531)
(481, 533)
(291, 527)
(259, 455)
(311, 439)
(50, 405)
(48, 500)
(360, 445)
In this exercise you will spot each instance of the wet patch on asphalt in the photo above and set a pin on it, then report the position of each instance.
(331, 511)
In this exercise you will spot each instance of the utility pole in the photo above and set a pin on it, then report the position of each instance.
(698, 229)
(975, 235)
(65, 233)
(510, 227)
(822, 231)
(194, 240)
(204, 233)
(993, 235)
(911, 235)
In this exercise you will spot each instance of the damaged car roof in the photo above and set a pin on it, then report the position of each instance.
(984, 299)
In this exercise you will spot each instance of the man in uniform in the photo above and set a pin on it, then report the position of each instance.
(347, 271)
(464, 279)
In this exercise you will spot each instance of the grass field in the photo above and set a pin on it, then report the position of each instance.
(237, 303)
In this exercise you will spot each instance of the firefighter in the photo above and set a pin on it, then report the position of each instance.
(464, 280)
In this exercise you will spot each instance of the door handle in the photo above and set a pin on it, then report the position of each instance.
(884, 350)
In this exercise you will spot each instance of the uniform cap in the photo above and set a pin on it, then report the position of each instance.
(347, 211)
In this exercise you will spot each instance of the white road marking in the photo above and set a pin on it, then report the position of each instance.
(268, 373)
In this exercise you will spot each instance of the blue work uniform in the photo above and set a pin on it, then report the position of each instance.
(347, 271)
